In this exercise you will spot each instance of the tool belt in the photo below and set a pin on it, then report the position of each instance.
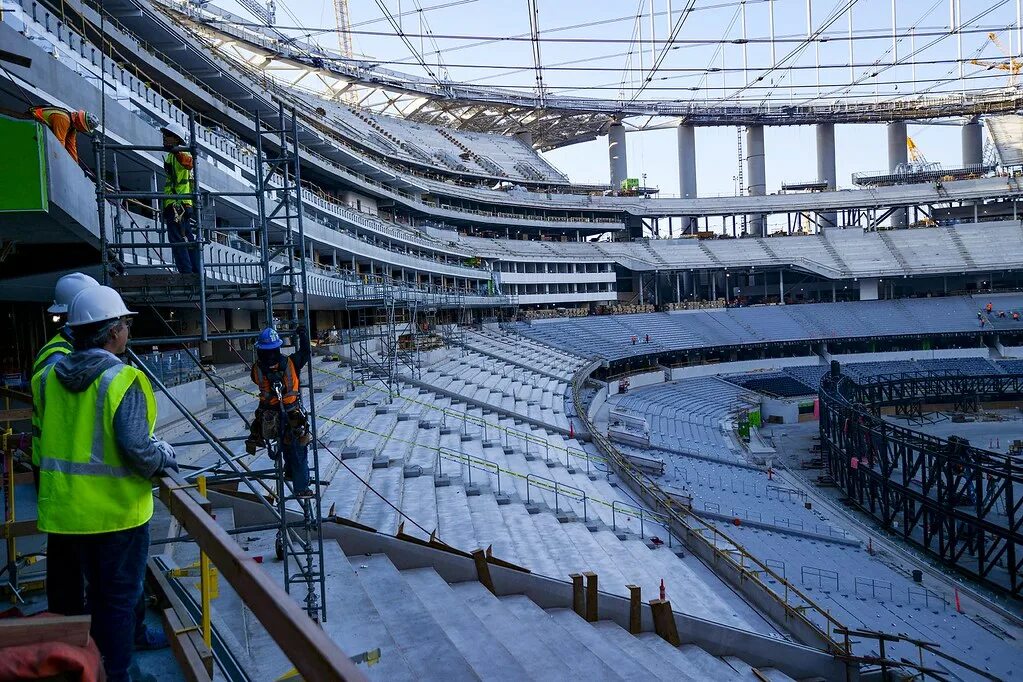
(297, 428)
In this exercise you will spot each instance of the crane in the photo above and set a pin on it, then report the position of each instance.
(917, 161)
(344, 42)
(1012, 65)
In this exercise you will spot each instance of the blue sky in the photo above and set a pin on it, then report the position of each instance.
(593, 51)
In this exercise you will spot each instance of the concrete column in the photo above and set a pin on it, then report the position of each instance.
(616, 155)
(525, 137)
(826, 167)
(686, 168)
(973, 143)
(898, 153)
(868, 288)
(757, 174)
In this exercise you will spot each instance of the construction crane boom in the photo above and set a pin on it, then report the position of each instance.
(344, 28)
(1012, 65)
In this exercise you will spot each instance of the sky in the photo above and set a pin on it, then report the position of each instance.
(721, 51)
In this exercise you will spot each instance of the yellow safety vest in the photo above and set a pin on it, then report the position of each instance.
(179, 177)
(85, 487)
(57, 345)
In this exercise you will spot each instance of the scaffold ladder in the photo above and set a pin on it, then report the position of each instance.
(272, 278)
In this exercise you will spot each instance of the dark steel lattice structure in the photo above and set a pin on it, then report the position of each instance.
(960, 503)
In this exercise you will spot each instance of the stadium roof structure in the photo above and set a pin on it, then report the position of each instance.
(556, 120)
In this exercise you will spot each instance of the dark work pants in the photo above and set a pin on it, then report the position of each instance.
(182, 234)
(296, 465)
(113, 566)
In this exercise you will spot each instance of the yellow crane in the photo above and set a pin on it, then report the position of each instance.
(1012, 65)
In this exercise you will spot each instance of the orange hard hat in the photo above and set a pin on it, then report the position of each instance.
(82, 121)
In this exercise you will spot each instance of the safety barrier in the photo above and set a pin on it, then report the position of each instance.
(559, 489)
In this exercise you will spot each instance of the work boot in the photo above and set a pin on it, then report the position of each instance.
(252, 445)
(151, 639)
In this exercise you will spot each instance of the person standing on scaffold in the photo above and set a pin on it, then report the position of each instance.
(280, 416)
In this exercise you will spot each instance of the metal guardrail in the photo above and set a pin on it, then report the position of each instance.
(747, 571)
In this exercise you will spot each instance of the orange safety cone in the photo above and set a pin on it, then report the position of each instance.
(870, 546)
(959, 609)
(770, 474)
(662, 589)
(571, 429)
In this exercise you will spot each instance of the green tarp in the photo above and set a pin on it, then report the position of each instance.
(23, 187)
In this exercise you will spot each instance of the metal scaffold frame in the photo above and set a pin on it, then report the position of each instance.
(274, 281)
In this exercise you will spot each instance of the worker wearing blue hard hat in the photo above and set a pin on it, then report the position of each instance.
(280, 418)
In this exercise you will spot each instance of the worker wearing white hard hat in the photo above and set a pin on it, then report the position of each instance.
(95, 417)
(67, 288)
(178, 212)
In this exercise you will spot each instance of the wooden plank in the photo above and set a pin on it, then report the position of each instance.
(16, 414)
(578, 597)
(73, 630)
(591, 596)
(635, 609)
(664, 621)
(479, 557)
(170, 597)
(19, 529)
(303, 641)
(192, 665)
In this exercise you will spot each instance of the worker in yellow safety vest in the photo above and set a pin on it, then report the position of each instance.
(66, 125)
(178, 211)
(67, 288)
(95, 418)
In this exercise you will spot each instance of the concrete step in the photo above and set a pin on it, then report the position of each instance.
(620, 662)
(539, 657)
(636, 650)
(418, 635)
(747, 673)
(532, 552)
(483, 651)
(699, 663)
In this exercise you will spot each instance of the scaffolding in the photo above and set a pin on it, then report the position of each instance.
(266, 274)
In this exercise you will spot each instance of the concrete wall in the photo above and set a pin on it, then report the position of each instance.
(637, 380)
(192, 395)
(784, 408)
(742, 366)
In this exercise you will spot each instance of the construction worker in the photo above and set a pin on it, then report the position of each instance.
(280, 415)
(66, 125)
(67, 288)
(178, 214)
(95, 418)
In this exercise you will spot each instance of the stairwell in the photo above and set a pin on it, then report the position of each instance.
(656, 256)
(906, 267)
(961, 247)
(710, 254)
(770, 252)
(833, 252)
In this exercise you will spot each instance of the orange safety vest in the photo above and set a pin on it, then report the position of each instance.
(289, 384)
(77, 118)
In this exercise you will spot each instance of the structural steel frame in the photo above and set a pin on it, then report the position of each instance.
(957, 501)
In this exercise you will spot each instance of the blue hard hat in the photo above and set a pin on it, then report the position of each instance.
(269, 339)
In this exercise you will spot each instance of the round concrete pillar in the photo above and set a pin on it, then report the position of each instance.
(826, 168)
(686, 168)
(898, 153)
(757, 174)
(973, 144)
(616, 155)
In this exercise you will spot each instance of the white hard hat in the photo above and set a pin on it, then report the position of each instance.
(67, 288)
(175, 129)
(96, 304)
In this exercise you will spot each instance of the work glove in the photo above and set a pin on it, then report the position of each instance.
(168, 460)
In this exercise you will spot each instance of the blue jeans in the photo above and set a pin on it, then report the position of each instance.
(296, 465)
(186, 256)
(113, 566)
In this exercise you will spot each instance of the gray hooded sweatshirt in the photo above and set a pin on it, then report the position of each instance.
(77, 371)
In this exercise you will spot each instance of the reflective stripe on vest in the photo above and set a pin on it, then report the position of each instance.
(58, 344)
(43, 114)
(289, 384)
(85, 486)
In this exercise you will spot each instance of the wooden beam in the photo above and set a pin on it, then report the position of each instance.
(664, 621)
(635, 609)
(72, 630)
(193, 667)
(479, 557)
(170, 597)
(303, 641)
(19, 529)
(591, 596)
(578, 597)
(16, 414)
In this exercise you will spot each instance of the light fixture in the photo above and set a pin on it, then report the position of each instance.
(55, 319)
